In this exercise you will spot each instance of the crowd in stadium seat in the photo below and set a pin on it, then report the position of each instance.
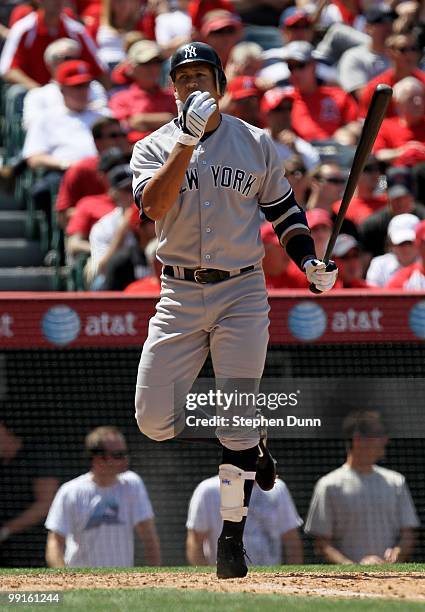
(80, 77)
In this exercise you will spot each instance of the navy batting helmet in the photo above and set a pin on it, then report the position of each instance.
(199, 52)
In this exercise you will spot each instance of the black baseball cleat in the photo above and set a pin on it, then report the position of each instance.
(266, 473)
(231, 558)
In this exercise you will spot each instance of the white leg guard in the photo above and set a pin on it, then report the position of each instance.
(232, 480)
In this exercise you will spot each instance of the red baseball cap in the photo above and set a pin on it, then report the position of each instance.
(273, 98)
(318, 216)
(219, 19)
(73, 72)
(420, 232)
(243, 87)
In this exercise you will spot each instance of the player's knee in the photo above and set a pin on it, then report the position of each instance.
(155, 414)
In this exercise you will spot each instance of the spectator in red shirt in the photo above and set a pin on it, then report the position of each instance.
(365, 200)
(22, 58)
(144, 106)
(279, 270)
(407, 130)
(405, 54)
(412, 278)
(22, 10)
(222, 30)
(242, 100)
(319, 110)
(347, 257)
(85, 178)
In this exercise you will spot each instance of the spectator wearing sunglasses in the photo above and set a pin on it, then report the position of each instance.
(319, 111)
(327, 186)
(87, 177)
(93, 517)
(406, 132)
(144, 107)
(276, 106)
(347, 256)
(404, 53)
(367, 199)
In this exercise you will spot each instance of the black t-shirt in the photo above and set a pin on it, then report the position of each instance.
(373, 230)
(16, 495)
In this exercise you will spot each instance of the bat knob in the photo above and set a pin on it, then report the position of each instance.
(314, 289)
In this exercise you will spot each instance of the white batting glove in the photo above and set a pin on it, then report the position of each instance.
(197, 109)
(319, 274)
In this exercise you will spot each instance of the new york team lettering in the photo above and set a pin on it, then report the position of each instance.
(192, 180)
(223, 176)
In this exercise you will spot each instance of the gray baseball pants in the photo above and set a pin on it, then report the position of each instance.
(230, 319)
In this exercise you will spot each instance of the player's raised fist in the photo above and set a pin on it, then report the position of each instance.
(320, 274)
(197, 109)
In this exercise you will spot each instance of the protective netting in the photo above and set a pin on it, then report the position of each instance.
(52, 398)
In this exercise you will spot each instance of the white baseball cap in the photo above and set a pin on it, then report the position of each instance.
(343, 244)
(401, 228)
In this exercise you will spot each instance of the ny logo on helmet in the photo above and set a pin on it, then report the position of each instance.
(190, 51)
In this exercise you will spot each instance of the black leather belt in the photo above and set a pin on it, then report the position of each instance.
(204, 276)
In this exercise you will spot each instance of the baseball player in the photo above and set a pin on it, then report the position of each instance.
(203, 178)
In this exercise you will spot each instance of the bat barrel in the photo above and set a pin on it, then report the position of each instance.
(375, 115)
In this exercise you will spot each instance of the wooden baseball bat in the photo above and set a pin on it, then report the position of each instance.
(375, 115)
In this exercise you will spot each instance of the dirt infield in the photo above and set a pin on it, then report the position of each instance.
(389, 585)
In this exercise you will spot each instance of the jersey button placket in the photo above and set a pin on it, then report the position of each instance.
(205, 210)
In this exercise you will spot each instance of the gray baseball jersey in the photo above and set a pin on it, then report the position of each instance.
(362, 513)
(214, 223)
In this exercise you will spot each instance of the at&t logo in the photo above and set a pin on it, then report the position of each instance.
(61, 325)
(307, 321)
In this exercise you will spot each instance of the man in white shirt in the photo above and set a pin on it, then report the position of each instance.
(42, 100)
(404, 252)
(361, 512)
(64, 136)
(118, 239)
(271, 526)
(93, 517)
